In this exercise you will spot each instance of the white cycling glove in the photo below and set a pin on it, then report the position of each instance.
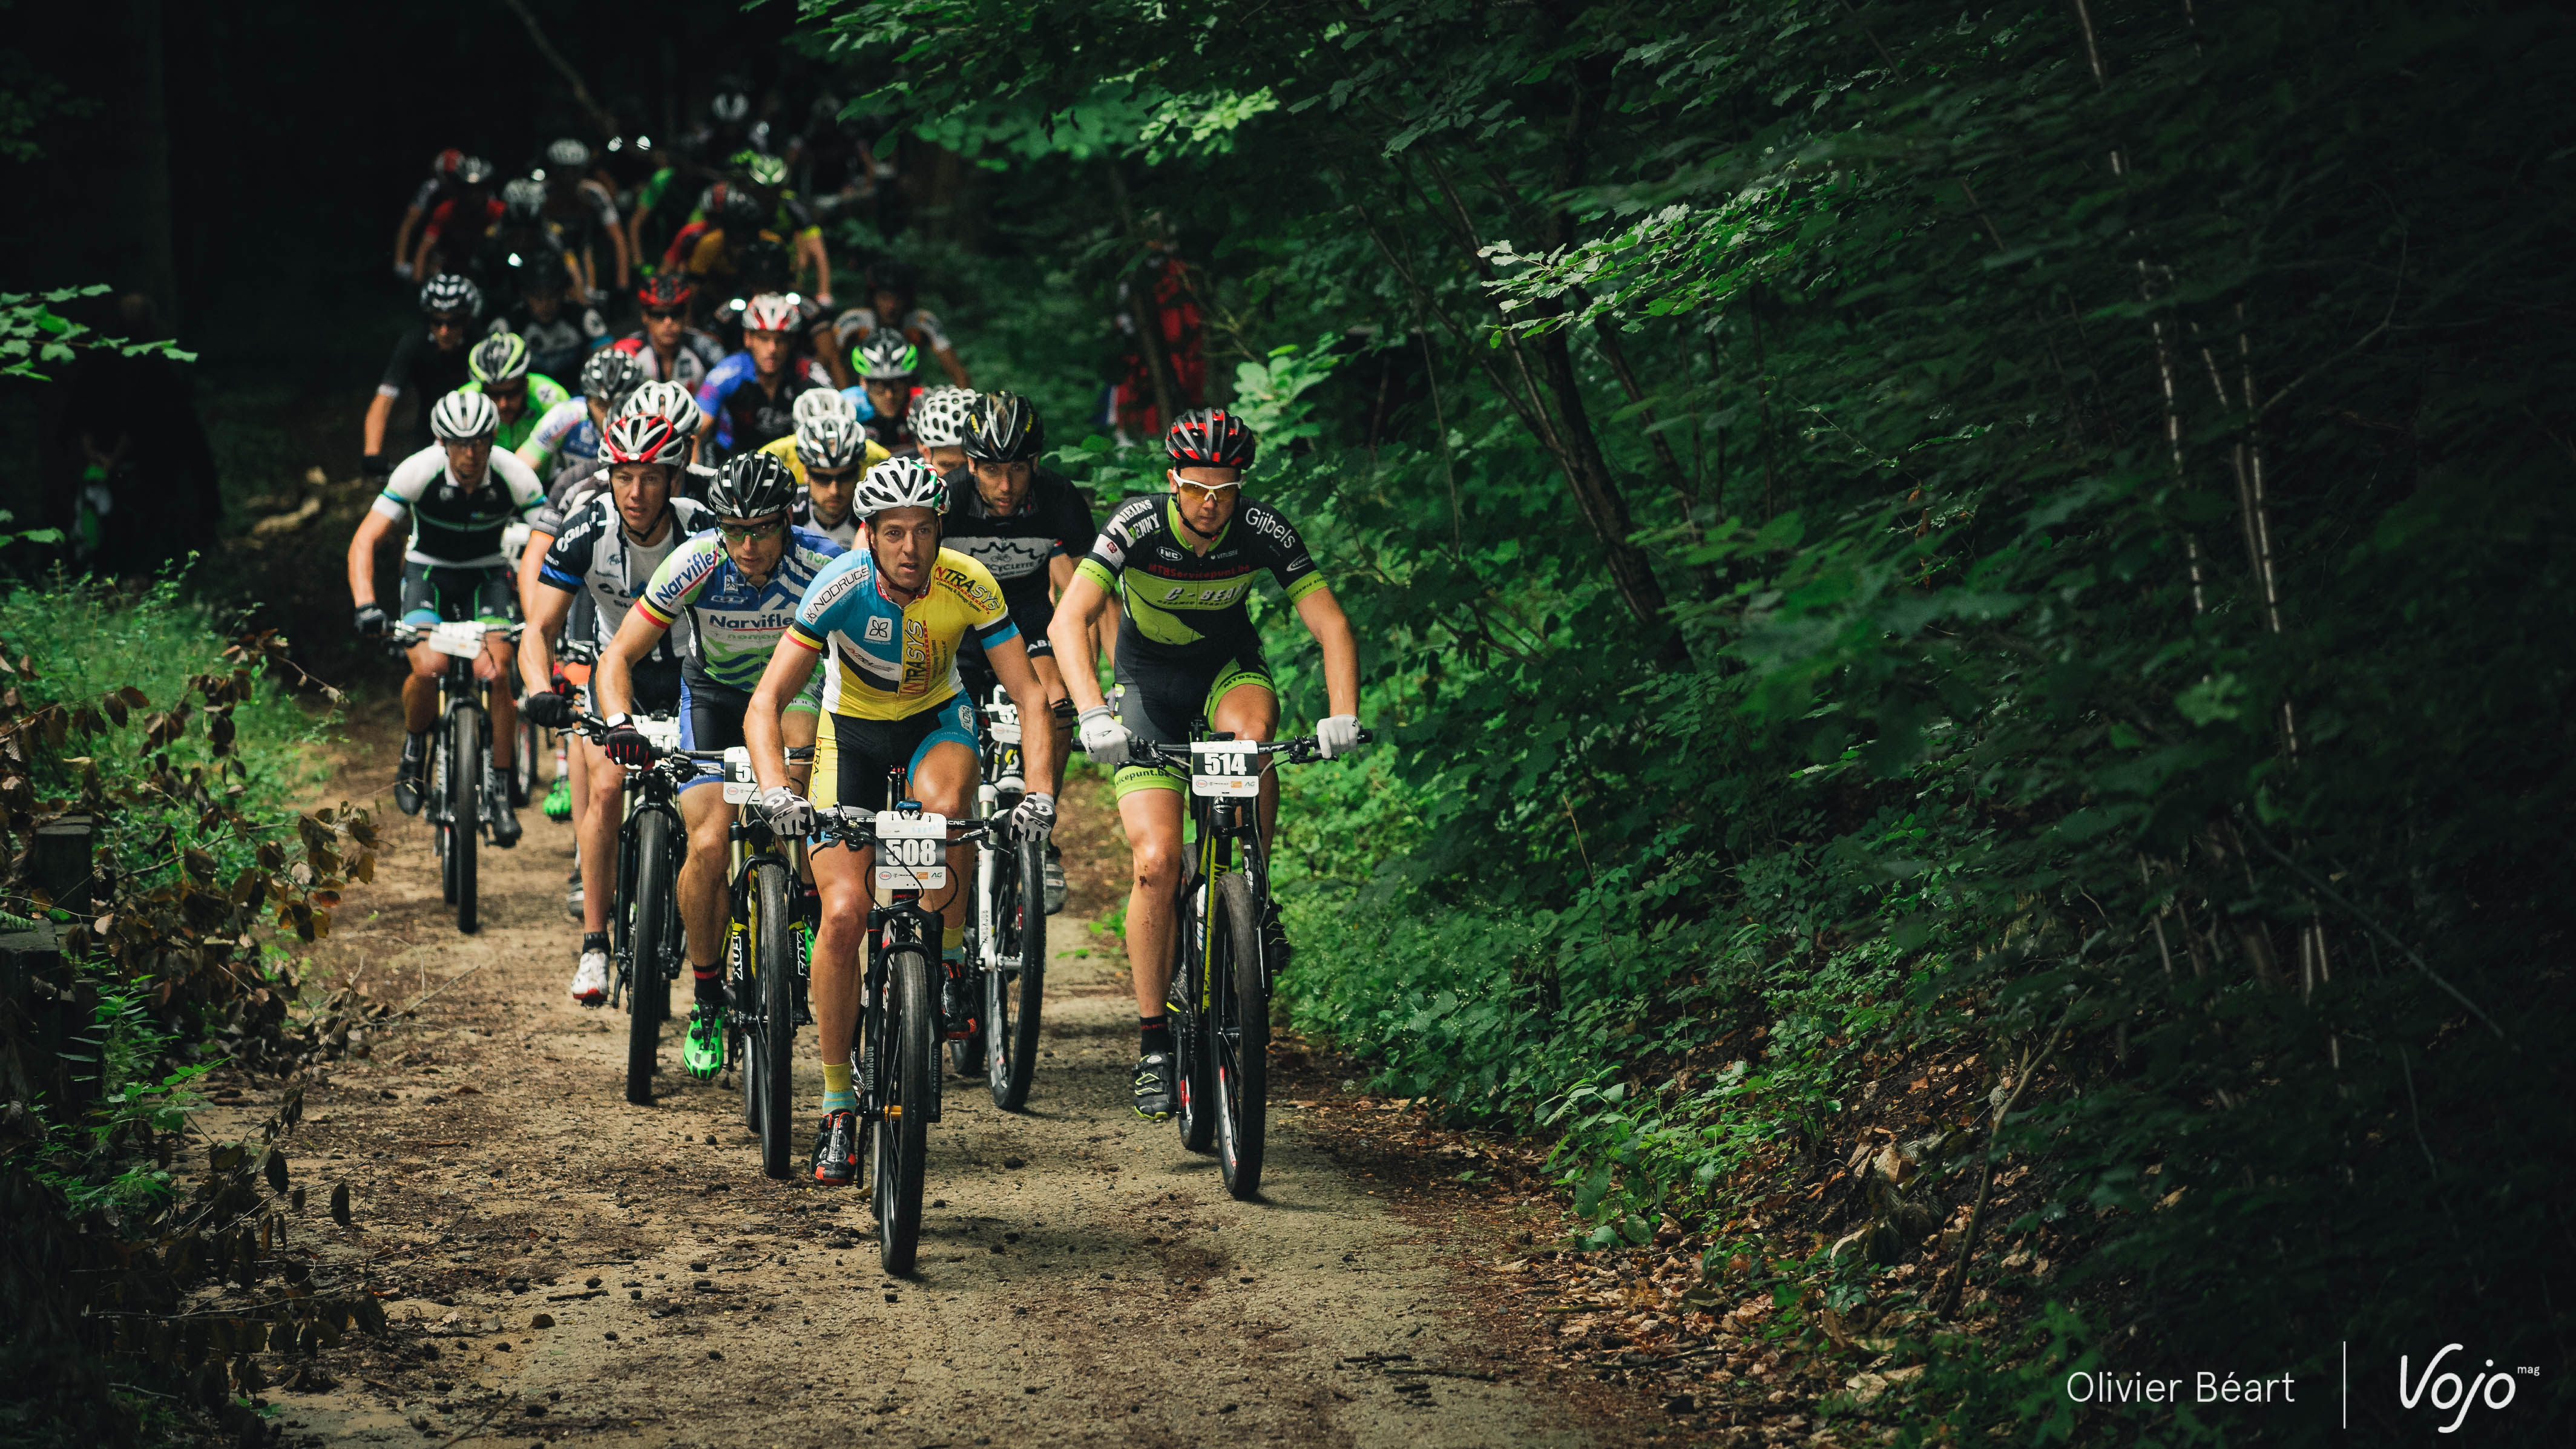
(1338, 735)
(789, 813)
(1033, 817)
(1103, 737)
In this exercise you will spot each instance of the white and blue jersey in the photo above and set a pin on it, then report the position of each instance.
(734, 624)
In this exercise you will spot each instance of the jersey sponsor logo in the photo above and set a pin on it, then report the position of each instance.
(831, 594)
(1204, 597)
(880, 629)
(1265, 521)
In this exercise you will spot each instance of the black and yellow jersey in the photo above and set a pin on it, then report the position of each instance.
(1183, 605)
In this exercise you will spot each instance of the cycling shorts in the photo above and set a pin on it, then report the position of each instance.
(581, 631)
(852, 756)
(1158, 699)
(443, 594)
(653, 689)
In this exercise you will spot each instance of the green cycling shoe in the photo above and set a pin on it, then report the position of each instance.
(559, 799)
(703, 1050)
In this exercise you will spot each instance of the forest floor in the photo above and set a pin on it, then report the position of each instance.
(560, 1266)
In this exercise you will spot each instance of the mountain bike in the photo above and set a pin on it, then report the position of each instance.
(461, 778)
(765, 962)
(1006, 927)
(1221, 973)
(900, 1023)
(647, 951)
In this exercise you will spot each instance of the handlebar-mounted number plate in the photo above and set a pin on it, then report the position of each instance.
(1224, 769)
(1005, 723)
(461, 639)
(912, 851)
(660, 731)
(739, 786)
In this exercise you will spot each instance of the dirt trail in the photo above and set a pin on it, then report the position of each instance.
(1082, 1279)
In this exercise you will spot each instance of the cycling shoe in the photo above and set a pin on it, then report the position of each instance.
(1155, 1100)
(836, 1148)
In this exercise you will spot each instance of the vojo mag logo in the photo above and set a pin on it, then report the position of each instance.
(2445, 1392)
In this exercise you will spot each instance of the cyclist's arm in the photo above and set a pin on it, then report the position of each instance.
(1009, 661)
(532, 562)
(380, 411)
(1324, 619)
(947, 356)
(810, 242)
(1070, 632)
(362, 556)
(402, 234)
(790, 665)
(615, 676)
(547, 607)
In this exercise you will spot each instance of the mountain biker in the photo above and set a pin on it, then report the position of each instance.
(739, 585)
(570, 431)
(439, 187)
(457, 226)
(890, 309)
(1025, 525)
(752, 394)
(938, 420)
(429, 363)
(885, 393)
(582, 214)
(560, 336)
(459, 494)
(1183, 563)
(890, 617)
(499, 364)
(606, 553)
(827, 453)
(669, 349)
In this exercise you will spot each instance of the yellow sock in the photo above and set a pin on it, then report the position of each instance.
(952, 941)
(836, 1087)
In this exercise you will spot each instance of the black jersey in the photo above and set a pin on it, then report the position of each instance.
(1185, 605)
(419, 368)
(1054, 521)
(595, 556)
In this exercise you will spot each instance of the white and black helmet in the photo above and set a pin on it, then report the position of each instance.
(905, 482)
(448, 292)
(823, 402)
(667, 400)
(939, 416)
(611, 375)
(523, 198)
(568, 154)
(751, 485)
(462, 416)
(831, 440)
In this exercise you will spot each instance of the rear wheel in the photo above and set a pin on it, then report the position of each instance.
(773, 1044)
(523, 770)
(1236, 1033)
(1195, 1113)
(435, 794)
(903, 1134)
(1016, 982)
(651, 937)
(464, 805)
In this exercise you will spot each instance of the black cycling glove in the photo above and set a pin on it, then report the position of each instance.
(548, 709)
(377, 466)
(372, 622)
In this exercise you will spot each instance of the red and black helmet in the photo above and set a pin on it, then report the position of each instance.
(1210, 438)
(666, 291)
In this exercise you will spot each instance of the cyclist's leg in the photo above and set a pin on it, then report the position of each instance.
(945, 769)
(1244, 702)
(598, 817)
(845, 772)
(426, 602)
(710, 719)
(1152, 815)
(497, 604)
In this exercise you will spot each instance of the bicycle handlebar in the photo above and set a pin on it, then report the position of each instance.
(1303, 750)
(856, 826)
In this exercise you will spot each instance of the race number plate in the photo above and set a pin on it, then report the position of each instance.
(739, 786)
(912, 851)
(1006, 723)
(660, 731)
(1224, 768)
(462, 639)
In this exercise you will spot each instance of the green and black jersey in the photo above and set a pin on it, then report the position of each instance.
(1185, 605)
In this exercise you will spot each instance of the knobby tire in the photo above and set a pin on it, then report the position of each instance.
(773, 1047)
(1011, 1000)
(650, 931)
(1197, 1109)
(464, 806)
(903, 1139)
(1237, 1033)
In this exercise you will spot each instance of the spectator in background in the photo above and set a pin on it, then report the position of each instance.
(440, 186)
(147, 493)
(1161, 295)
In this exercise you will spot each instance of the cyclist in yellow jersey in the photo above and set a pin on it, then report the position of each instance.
(828, 452)
(887, 618)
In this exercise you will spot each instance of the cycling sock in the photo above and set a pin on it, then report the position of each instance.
(837, 1096)
(710, 987)
(1156, 1034)
(952, 943)
(594, 941)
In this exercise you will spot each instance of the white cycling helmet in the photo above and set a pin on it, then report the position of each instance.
(823, 402)
(939, 417)
(643, 438)
(905, 482)
(770, 312)
(833, 440)
(463, 416)
(667, 400)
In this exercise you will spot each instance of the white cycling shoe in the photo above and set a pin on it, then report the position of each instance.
(590, 982)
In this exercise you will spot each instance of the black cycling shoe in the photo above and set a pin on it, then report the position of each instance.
(960, 994)
(409, 789)
(504, 822)
(1155, 1101)
(836, 1148)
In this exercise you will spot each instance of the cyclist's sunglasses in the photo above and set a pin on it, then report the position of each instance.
(449, 322)
(1202, 492)
(749, 532)
(830, 475)
(664, 314)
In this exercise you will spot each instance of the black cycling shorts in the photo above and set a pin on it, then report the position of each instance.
(852, 756)
(1159, 698)
(654, 685)
(443, 594)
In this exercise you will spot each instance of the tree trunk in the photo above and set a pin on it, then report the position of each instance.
(133, 250)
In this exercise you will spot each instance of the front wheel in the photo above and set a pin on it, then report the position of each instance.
(1236, 1036)
(908, 1054)
(1015, 983)
(773, 1055)
(1195, 1110)
(464, 806)
(651, 935)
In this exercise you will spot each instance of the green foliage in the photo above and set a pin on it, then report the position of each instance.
(2108, 469)
(32, 333)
